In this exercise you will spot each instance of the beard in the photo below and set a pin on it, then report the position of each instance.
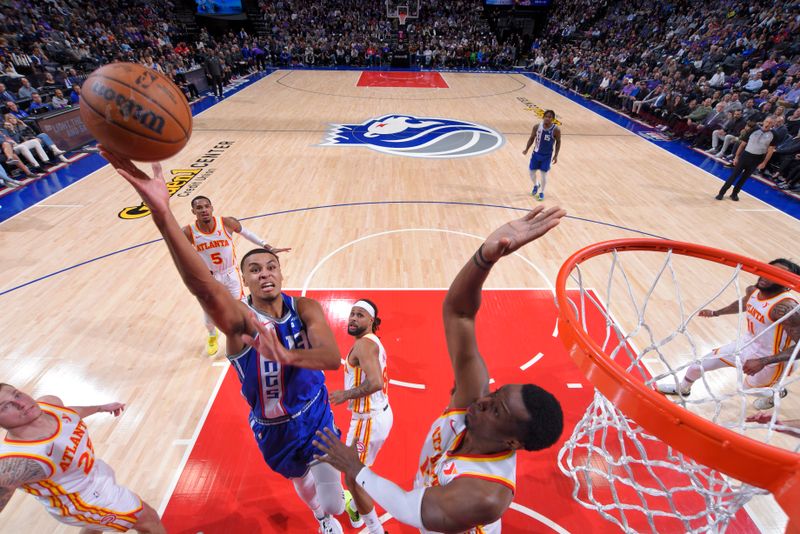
(769, 287)
(356, 331)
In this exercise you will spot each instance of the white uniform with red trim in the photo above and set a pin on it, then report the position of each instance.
(761, 338)
(219, 254)
(372, 416)
(438, 466)
(80, 490)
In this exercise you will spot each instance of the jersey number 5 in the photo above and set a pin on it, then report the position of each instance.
(216, 258)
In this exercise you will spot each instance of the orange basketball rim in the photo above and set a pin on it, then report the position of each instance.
(745, 459)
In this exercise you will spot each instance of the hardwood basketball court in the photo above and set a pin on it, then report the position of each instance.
(121, 326)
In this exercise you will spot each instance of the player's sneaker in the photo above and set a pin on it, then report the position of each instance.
(330, 525)
(534, 190)
(670, 388)
(212, 346)
(540, 197)
(767, 403)
(356, 521)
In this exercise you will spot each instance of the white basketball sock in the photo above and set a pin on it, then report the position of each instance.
(710, 362)
(212, 329)
(544, 182)
(534, 178)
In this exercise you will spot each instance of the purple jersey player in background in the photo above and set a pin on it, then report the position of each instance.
(546, 141)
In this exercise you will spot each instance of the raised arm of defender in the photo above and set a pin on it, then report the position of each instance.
(464, 299)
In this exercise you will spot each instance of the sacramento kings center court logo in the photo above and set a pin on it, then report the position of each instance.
(417, 137)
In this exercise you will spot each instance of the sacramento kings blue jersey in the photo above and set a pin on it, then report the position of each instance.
(545, 140)
(273, 390)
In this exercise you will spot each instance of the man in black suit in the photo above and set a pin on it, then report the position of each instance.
(214, 69)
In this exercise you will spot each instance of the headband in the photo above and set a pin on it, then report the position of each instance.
(367, 306)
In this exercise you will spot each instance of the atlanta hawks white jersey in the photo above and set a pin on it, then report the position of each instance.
(80, 490)
(354, 376)
(763, 337)
(439, 465)
(215, 247)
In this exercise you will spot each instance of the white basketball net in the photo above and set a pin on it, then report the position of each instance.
(651, 327)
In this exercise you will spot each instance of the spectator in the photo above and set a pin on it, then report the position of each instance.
(37, 103)
(792, 97)
(793, 122)
(718, 79)
(24, 136)
(58, 101)
(784, 158)
(749, 108)
(25, 91)
(5, 94)
(6, 180)
(731, 128)
(72, 79)
(713, 121)
(14, 110)
(11, 158)
(754, 84)
(75, 95)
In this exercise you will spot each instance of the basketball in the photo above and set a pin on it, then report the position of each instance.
(135, 112)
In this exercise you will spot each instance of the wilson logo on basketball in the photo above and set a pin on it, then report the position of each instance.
(417, 137)
(129, 108)
(183, 182)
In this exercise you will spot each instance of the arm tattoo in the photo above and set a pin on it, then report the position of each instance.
(15, 472)
(18, 471)
(5, 496)
(363, 390)
(792, 326)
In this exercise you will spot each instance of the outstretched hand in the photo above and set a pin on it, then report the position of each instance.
(337, 454)
(266, 342)
(115, 408)
(337, 397)
(754, 366)
(152, 190)
(512, 235)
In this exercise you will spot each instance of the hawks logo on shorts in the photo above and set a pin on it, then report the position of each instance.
(417, 137)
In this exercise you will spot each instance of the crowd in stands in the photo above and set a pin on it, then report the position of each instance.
(709, 72)
(444, 34)
(48, 47)
(706, 71)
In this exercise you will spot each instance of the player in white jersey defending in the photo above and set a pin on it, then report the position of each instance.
(366, 382)
(466, 477)
(764, 346)
(47, 453)
(212, 237)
